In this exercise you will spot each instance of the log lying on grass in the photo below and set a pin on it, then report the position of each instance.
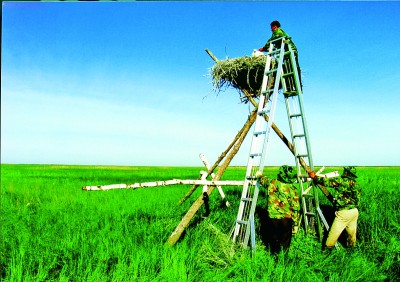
(164, 183)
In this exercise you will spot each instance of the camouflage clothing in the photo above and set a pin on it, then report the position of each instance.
(280, 33)
(277, 33)
(346, 191)
(283, 199)
(346, 196)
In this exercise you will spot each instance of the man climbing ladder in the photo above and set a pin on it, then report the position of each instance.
(278, 32)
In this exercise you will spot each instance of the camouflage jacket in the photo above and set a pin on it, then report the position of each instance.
(347, 192)
(283, 199)
(280, 33)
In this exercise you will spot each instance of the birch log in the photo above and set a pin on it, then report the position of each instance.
(220, 158)
(164, 183)
(221, 192)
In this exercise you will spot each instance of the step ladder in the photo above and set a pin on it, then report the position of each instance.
(244, 226)
(281, 75)
(292, 91)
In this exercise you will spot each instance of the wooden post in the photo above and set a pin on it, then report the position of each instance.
(221, 192)
(211, 169)
(199, 202)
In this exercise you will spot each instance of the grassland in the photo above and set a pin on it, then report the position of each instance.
(52, 230)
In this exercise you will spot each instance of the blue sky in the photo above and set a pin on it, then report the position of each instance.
(126, 83)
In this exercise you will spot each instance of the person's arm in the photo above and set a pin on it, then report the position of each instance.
(265, 48)
(295, 206)
(323, 183)
(262, 179)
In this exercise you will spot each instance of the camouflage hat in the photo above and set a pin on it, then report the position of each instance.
(287, 174)
(349, 172)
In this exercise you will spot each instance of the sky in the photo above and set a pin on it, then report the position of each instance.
(127, 83)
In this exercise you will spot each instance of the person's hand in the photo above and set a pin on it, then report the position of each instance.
(295, 229)
(312, 174)
(261, 49)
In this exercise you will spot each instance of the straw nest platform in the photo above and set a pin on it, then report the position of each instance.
(244, 73)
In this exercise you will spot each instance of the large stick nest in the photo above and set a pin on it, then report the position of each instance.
(244, 73)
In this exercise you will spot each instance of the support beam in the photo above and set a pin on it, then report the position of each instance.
(220, 158)
(176, 234)
(221, 192)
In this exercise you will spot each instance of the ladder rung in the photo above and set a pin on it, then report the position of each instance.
(290, 93)
(251, 178)
(308, 195)
(247, 199)
(260, 132)
(275, 51)
(255, 155)
(271, 71)
(287, 74)
(242, 222)
(299, 135)
(264, 111)
(267, 91)
(295, 115)
(302, 155)
(310, 213)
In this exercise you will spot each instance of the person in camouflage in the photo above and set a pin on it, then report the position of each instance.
(278, 32)
(283, 208)
(346, 195)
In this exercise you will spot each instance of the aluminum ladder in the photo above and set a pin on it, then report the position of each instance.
(244, 225)
(287, 77)
(292, 91)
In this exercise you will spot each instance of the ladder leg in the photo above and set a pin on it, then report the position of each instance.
(300, 141)
(244, 227)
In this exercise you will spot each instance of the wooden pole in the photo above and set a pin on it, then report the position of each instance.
(221, 192)
(211, 169)
(163, 183)
(199, 202)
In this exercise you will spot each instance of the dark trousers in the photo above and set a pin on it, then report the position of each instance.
(287, 68)
(277, 234)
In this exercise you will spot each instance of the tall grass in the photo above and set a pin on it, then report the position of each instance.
(52, 230)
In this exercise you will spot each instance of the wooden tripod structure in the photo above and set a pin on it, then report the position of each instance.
(229, 153)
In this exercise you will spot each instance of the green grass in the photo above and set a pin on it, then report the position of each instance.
(52, 230)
